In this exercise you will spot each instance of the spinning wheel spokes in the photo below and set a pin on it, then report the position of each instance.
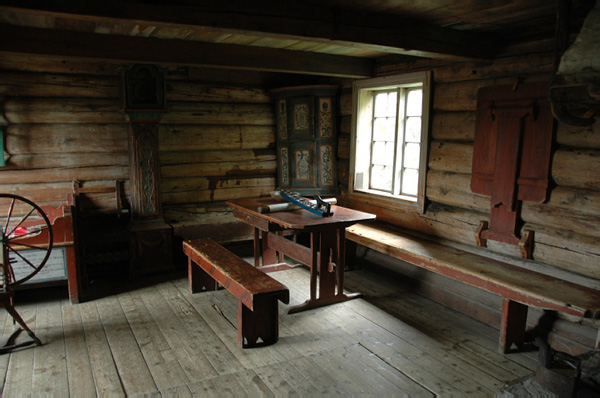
(27, 229)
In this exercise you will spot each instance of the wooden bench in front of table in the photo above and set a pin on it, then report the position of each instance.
(257, 292)
(520, 288)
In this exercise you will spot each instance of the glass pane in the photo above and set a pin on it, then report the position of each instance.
(381, 105)
(413, 129)
(412, 154)
(381, 178)
(410, 182)
(383, 153)
(414, 103)
(384, 129)
(385, 104)
(392, 103)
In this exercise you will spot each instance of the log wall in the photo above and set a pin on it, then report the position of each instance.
(566, 226)
(62, 122)
(567, 233)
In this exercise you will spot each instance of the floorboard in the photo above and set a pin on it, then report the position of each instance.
(157, 339)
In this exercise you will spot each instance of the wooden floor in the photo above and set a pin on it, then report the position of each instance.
(159, 340)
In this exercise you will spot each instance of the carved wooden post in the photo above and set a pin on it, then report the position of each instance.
(143, 96)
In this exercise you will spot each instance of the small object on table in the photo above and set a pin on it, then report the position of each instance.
(288, 206)
(318, 206)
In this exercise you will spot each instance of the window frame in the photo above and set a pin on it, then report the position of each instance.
(362, 92)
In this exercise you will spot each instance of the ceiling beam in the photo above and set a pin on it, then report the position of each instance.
(71, 44)
(292, 20)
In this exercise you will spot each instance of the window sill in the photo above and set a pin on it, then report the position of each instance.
(384, 201)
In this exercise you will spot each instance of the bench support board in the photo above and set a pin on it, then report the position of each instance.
(513, 323)
(210, 264)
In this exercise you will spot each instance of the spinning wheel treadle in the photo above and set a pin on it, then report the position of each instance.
(25, 227)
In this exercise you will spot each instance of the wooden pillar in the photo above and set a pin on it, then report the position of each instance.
(144, 102)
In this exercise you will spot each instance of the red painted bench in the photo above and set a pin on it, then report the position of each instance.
(258, 318)
(519, 287)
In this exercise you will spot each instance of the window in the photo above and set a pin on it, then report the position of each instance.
(389, 140)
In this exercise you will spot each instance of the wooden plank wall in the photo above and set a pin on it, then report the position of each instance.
(566, 226)
(62, 122)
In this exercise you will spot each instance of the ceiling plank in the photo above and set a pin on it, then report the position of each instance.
(70, 44)
(290, 20)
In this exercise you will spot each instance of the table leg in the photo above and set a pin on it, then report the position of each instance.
(257, 251)
(269, 256)
(326, 271)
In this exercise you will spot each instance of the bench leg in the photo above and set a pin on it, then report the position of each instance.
(261, 323)
(198, 279)
(512, 324)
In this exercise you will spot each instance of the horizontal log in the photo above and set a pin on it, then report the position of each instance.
(567, 209)
(53, 192)
(28, 110)
(41, 192)
(215, 156)
(25, 84)
(453, 126)
(201, 113)
(578, 136)
(65, 174)
(203, 183)
(65, 138)
(581, 255)
(561, 219)
(207, 137)
(576, 168)
(42, 63)
(215, 195)
(439, 220)
(202, 92)
(581, 201)
(69, 160)
(454, 189)
(267, 167)
(462, 96)
(566, 164)
(451, 156)
(198, 213)
(71, 44)
(530, 64)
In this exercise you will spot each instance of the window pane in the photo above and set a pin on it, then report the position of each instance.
(392, 104)
(381, 178)
(414, 102)
(383, 153)
(384, 129)
(413, 129)
(381, 105)
(385, 104)
(410, 182)
(412, 154)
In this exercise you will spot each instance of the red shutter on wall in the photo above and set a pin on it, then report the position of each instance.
(511, 154)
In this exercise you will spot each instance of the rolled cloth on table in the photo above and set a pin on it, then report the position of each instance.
(289, 206)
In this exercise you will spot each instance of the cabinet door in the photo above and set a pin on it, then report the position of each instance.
(306, 140)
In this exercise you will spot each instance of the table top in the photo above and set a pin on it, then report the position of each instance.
(299, 219)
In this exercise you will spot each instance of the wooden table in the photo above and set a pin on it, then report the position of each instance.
(325, 256)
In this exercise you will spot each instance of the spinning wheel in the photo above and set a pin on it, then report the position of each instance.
(24, 230)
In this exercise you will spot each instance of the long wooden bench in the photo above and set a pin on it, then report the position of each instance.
(519, 287)
(258, 318)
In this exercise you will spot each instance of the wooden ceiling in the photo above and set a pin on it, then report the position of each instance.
(325, 37)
